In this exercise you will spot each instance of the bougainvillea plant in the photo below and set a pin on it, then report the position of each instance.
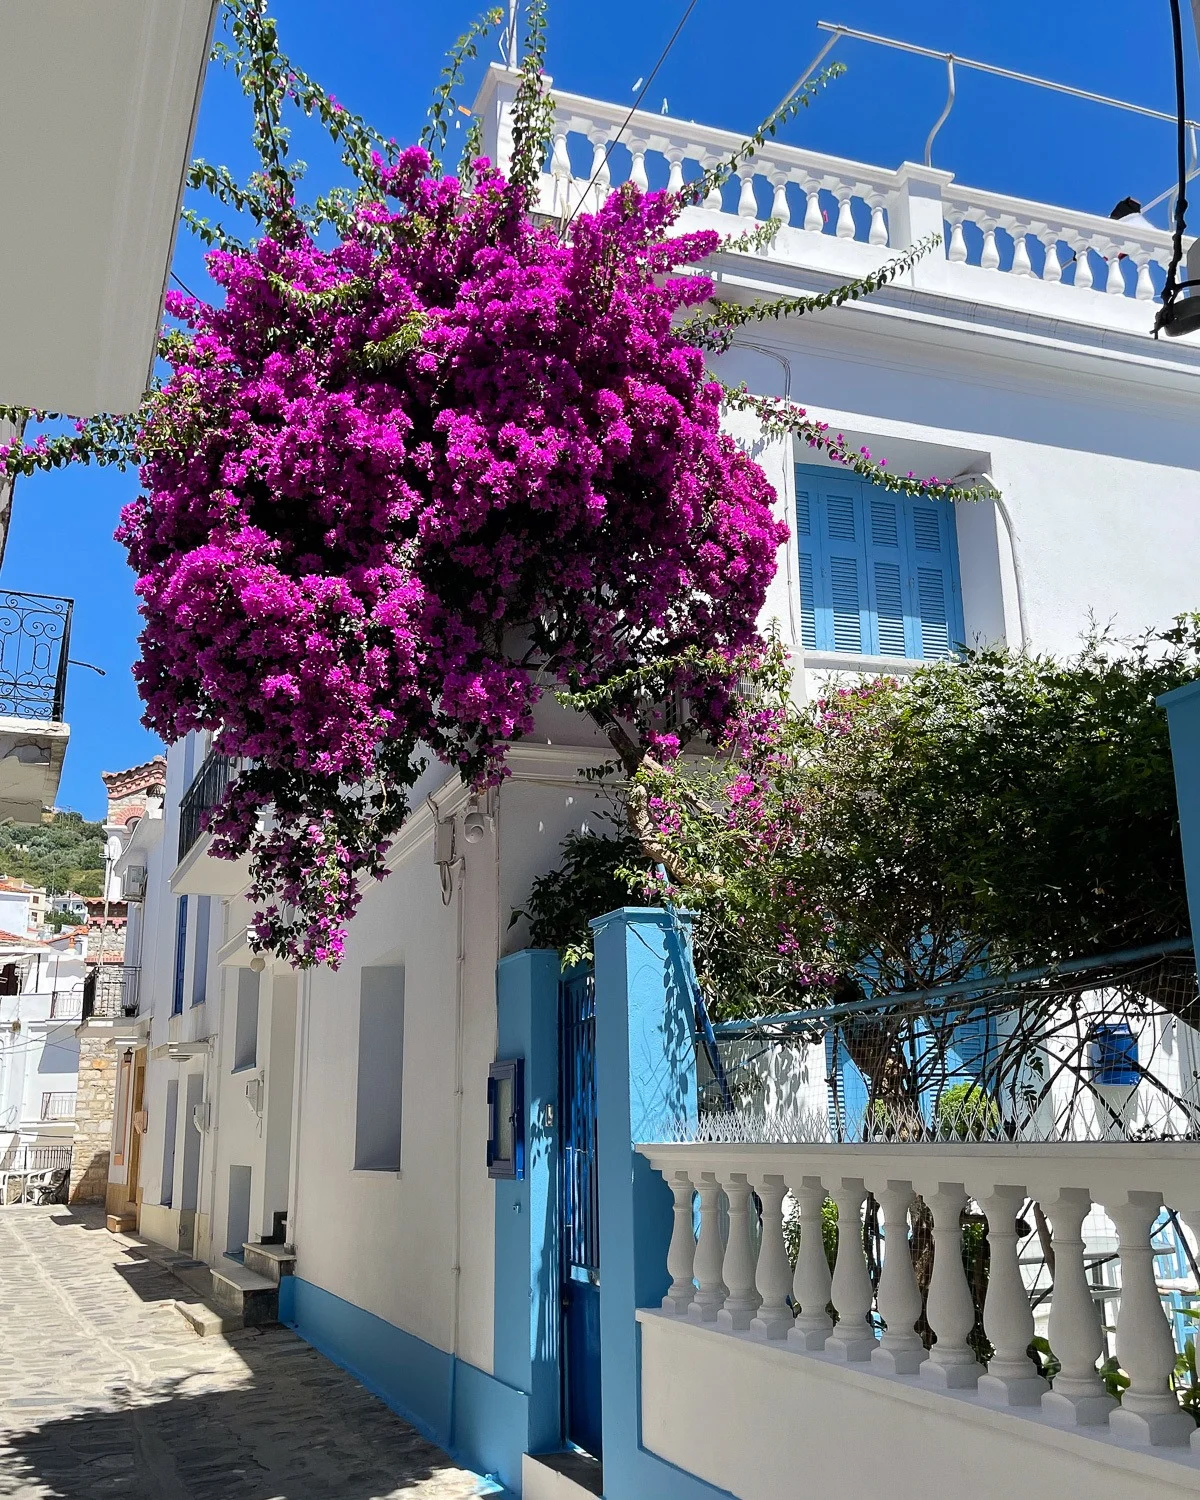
(421, 455)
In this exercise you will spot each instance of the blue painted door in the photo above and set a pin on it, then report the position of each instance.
(578, 1213)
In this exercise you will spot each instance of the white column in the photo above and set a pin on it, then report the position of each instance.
(1083, 266)
(1011, 1378)
(675, 177)
(1078, 1398)
(1191, 1217)
(845, 218)
(957, 250)
(878, 234)
(779, 203)
(1149, 1411)
(713, 198)
(560, 170)
(1145, 288)
(811, 1287)
(900, 1351)
(599, 176)
(741, 1299)
(681, 1252)
(747, 202)
(951, 1362)
(989, 258)
(1052, 270)
(637, 172)
(773, 1275)
(709, 1296)
(1021, 266)
(814, 219)
(853, 1338)
(1114, 283)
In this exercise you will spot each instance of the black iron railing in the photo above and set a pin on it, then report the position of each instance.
(35, 641)
(206, 790)
(111, 990)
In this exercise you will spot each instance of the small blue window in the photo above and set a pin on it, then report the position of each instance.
(181, 923)
(878, 571)
(1115, 1056)
(506, 1111)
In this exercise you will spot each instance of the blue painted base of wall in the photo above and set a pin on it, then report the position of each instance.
(476, 1418)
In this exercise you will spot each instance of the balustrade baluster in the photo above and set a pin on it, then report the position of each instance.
(1052, 270)
(709, 1296)
(853, 1338)
(1145, 285)
(675, 177)
(1021, 264)
(637, 172)
(747, 202)
(1149, 1411)
(741, 1299)
(878, 233)
(560, 170)
(1011, 1379)
(951, 1362)
(773, 1275)
(681, 1253)
(1078, 1398)
(1114, 282)
(814, 219)
(779, 203)
(900, 1351)
(957, 250)
(1083, 266)
(989, 260)
(713, 198)
(811, 1288)
(599, 174)
(845, 218)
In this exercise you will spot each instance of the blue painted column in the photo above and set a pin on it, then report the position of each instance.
(526, 1322)
(1183, 717)
(645, 1087)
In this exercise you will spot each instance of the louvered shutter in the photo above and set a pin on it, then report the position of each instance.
(933, 577)
(845, 568)
(885, 571)
(805, 533)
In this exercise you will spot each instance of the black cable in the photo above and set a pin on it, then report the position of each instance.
(632, 111)
(183, 284)
(1170, 287)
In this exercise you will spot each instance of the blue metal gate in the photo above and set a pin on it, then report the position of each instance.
(578, 1213)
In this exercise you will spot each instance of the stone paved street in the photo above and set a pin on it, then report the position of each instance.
(104, 1390)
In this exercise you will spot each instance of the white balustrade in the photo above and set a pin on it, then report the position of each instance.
(720, 1281)
(985, 234)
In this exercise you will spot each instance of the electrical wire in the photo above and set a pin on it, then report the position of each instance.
(178, 280)
(632, 111)
(1171, 286)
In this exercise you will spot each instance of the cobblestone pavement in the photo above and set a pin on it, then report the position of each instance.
(105, 1390)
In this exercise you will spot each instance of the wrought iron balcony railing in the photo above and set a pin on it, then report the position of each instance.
(111, 990)
(35, 641)
(207, 789)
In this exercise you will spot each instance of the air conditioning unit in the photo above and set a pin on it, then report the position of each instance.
(133, 883)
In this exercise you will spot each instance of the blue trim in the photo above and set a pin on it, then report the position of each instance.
(645, 1081)
(1183, 716)
(476, 1418)
(525, 1351)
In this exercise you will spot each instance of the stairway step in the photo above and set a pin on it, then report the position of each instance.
(272, 1261)
(241, 1293)
(561, 1476)
(205, 1320)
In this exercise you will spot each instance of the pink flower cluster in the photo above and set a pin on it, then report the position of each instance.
(387, 479)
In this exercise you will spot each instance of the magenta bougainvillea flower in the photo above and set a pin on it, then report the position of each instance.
(398, 485)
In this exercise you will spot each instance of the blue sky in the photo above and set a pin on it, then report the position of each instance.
(731, 64)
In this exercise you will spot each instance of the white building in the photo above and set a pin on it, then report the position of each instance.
(23, 908)
(354, 1106)
(41, 1002)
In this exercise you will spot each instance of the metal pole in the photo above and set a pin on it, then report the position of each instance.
(511, 38)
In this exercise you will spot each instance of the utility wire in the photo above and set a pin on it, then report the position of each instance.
(632, 111)
(1170, 287)
(178, 280)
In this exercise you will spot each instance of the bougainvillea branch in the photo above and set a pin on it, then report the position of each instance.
(400, 480)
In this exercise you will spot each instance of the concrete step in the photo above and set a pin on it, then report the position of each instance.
(205, 1321)
(272, 1261)
(123, 1223)
(561, 1476)
(238, 1292)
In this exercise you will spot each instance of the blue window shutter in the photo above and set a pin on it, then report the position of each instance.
(808, 591)
(934, 579)
(180, 954)
(845, 570)
(848, 1092)
(885, 559)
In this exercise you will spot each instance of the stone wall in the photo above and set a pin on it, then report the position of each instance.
(93, 1116)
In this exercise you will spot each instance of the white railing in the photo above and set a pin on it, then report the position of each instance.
(818, 198)
(737, 1276)
(58, 1106)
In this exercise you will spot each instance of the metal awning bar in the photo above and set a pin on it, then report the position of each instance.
(1010, 73)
